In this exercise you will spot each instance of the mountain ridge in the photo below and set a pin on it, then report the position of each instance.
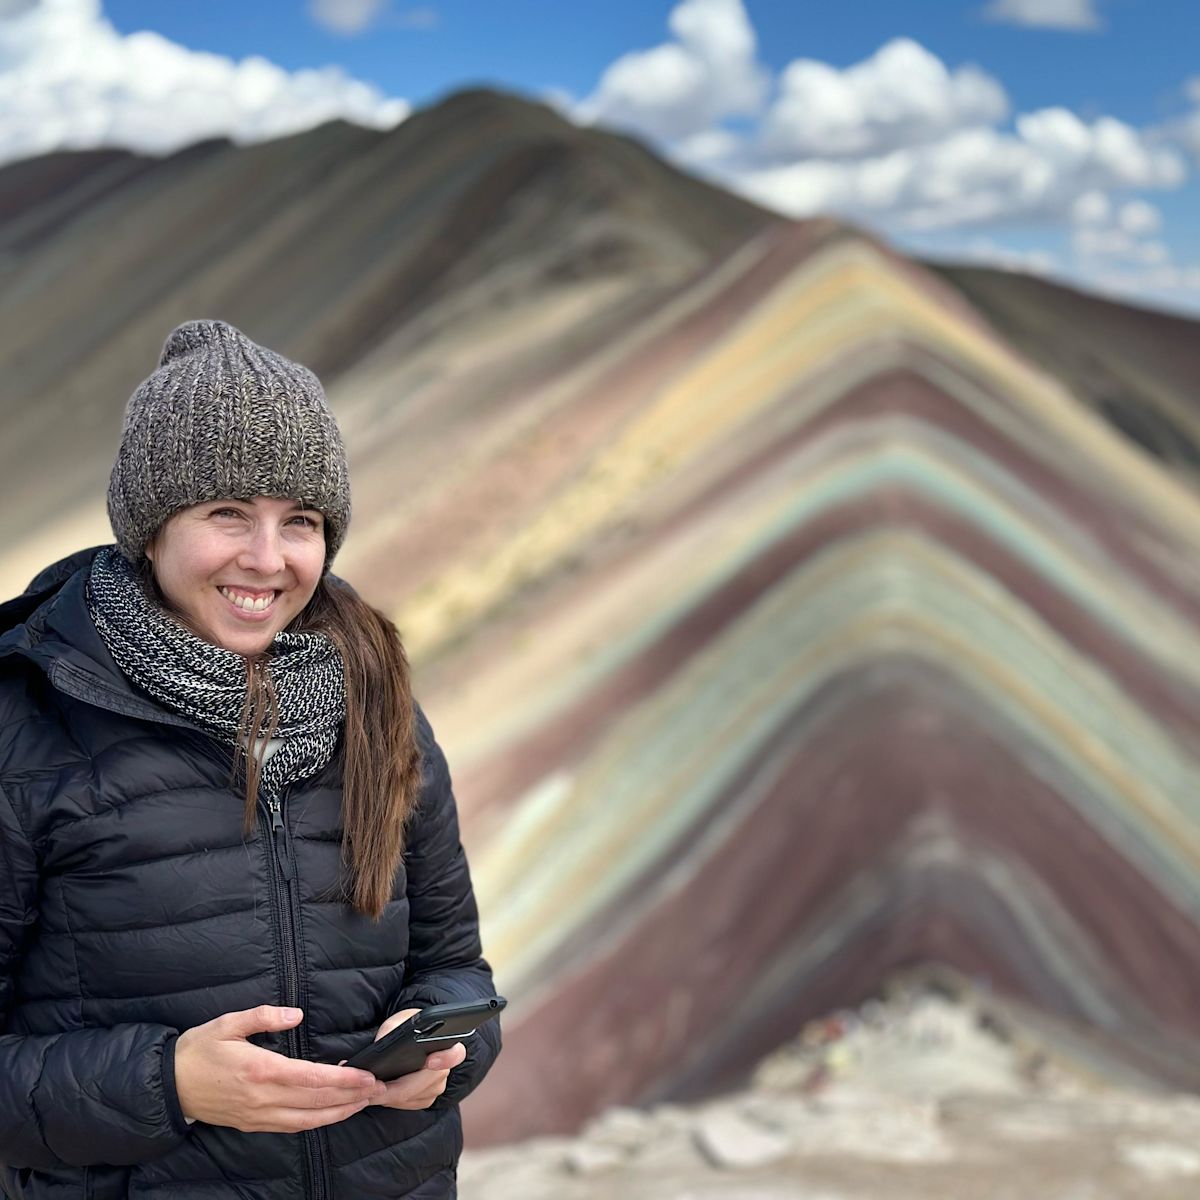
(318, 243)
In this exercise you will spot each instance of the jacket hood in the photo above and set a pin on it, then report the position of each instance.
(49, 625)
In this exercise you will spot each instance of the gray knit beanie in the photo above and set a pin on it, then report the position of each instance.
(225, 418)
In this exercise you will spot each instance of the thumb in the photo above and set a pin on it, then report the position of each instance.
(395, 1019)
(266, 1018)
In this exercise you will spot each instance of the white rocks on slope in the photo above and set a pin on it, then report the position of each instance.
(916, 1099)
(729, 1138)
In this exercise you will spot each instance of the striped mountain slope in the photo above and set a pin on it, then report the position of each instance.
(860, 642)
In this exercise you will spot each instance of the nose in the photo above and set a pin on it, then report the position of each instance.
(262, 550)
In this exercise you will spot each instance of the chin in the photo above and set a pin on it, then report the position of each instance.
(245, 643)
(247, 647)
(249, 650)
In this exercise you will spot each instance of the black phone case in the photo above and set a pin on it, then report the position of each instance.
(405, 1049)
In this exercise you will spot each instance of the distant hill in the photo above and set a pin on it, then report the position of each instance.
(323, 245)
(1137, 367)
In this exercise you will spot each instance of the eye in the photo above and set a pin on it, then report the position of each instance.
(307, 521)
(225, 512)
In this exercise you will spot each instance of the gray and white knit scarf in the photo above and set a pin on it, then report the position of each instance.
(207, 683)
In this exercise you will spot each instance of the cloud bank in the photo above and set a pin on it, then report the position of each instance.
(680, 88)
(350, 18)
(907, 143)
(69, 80)
(1073, 15)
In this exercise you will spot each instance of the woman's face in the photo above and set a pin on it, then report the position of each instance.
(238, 571)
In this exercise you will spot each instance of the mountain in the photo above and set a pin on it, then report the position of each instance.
(325, 245)
(791, 612)
(1136, 367)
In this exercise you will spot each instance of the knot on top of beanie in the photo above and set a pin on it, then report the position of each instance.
(194, 335)
(223, 417)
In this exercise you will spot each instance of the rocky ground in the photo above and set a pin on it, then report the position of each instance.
(926, 1096)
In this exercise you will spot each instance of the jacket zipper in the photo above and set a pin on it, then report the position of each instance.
(283, 874)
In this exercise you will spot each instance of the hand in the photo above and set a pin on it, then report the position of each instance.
(222, 1079)
(420, 1088)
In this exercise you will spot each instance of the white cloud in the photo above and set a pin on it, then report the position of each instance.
(1170, 285)
(1185, 131)
(1046, 14)
(1107, 234)
(1091, 208)
(975, 176)
(708, 146)
(901, 96)
(1139, 218)
(1107, 151)
(1189, 134)
(900, 137)
(69, 80)
(1119, 244)
(986, 250)
(915, 147)
(561, 99)
(1136, 218)
(346, 17)
(681, 88)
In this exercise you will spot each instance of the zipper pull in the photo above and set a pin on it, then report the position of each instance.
(281, 845)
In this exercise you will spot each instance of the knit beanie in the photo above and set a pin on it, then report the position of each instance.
(224, 418)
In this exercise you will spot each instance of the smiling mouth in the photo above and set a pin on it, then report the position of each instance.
(249, 603)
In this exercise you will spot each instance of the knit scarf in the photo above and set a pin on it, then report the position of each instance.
(302, 676)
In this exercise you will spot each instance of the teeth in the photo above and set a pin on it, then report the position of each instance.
(246, 603)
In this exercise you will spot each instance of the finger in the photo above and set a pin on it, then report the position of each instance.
(266, 1018)
(424, 1085)
(296, 1120)
(447, 1059)
(321, 1098)
(395, 1019)
(415, 1101)
(299, 1075)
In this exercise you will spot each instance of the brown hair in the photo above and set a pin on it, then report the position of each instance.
(381, 781)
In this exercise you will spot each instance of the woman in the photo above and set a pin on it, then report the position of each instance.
(229, 851)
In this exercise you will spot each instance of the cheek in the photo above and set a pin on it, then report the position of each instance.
(304, 596)
(307, 570)
(184, 574)
(312, 569)
(187, 574)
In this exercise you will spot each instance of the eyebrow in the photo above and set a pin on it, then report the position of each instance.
(295, 507)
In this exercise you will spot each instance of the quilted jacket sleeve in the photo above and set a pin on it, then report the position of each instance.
(445, 962)
(82, 1097)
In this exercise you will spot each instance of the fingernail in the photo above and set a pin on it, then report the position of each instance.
(292, 1014)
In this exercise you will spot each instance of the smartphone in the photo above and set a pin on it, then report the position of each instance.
(405, 1049)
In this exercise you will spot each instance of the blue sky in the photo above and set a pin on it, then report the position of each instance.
(1060, 136)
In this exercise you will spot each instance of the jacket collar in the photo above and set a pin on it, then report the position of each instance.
(50, 626)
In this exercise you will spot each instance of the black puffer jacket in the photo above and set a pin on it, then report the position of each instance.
(131, 908)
